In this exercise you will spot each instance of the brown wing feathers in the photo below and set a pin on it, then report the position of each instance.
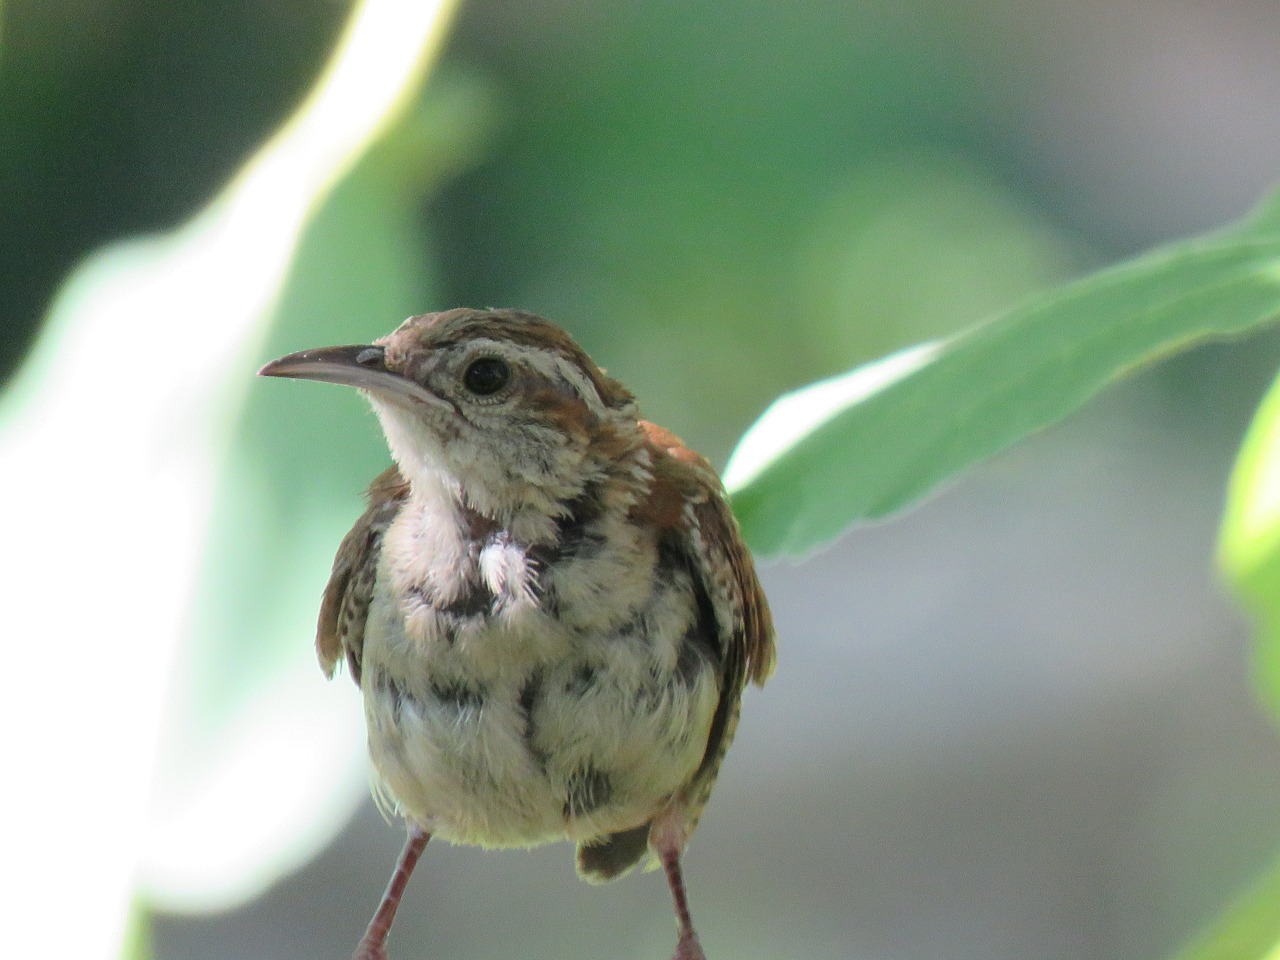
(682, 477)
(345, 605)
(722, 567)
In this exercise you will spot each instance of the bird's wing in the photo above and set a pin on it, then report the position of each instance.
(724, 577)
(345, 606)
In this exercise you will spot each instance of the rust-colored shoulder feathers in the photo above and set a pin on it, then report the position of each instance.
(686, 490)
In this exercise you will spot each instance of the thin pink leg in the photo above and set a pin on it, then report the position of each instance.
(373, 945)
(667, 837)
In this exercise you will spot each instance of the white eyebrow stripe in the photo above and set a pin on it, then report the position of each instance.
(550, 363)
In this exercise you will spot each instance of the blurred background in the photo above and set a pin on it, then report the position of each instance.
(1016, 722)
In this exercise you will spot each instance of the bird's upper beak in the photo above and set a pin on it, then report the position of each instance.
(359, 365)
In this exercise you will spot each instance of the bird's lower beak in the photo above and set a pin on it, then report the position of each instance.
(359, 365)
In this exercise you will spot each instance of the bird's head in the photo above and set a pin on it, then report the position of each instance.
(500, 406)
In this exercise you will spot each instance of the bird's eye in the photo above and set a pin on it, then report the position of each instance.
(486, 376)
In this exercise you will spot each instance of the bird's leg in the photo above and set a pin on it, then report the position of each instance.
(667, 838)
(373, 945)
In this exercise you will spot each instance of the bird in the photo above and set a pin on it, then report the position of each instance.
(547, 604)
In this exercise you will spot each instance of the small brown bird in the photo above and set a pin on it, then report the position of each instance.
(547, 605)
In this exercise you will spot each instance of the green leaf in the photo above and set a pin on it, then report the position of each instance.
(137, 943)
(871, 441)
(1249, 546)
(1249, 929)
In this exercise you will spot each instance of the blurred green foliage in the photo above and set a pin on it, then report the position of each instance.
(120, 117)
(302, 457)
(137, 940)
(1250, 540)
(722, 201)
(754, 191)
(1248, 929)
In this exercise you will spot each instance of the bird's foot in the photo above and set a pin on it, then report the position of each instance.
(368, 949)
(689, 948)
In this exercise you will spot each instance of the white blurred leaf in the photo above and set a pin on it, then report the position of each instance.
(110, 447)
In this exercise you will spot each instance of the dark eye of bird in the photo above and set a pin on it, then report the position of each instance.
(486, 376)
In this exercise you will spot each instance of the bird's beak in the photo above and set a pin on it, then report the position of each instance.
(362, 366)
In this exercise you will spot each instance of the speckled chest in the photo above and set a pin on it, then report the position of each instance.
(521, 693)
